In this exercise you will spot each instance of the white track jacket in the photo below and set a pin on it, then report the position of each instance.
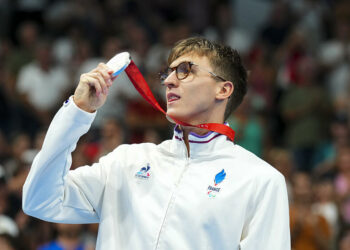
(155, 197)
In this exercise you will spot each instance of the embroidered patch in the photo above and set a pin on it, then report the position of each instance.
(214, 190)
(144, 172)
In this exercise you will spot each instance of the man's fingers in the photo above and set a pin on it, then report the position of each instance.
(100, 78)
(105, 72)
(105, 67)
(93, 82)
(91, 86)
(102, 81)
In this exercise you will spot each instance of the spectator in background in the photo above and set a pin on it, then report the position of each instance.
(42, 85)
(310, 15)
(288, 56)
(158, 52)
(325, 204)
(225, 31)
(139, 43)
(68, 238)
(248, 127)
(12, 58)
(262, 78)
(309, 231)
(33, 233)
(19, 145)
(342, 183)
(112, 134)
(305, 109)
(27, 35)
(83, 54)
(340, 138)
(334, 57)
(276, 30)
(16, 169)
(71, 50)
(8, 114)
(282, 160)
(25, 152)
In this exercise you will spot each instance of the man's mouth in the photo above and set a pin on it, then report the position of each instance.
(172, 97)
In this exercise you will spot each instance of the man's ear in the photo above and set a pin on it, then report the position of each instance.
(225, 90)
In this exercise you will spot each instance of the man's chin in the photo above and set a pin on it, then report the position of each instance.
(170, 115)
(177, 117)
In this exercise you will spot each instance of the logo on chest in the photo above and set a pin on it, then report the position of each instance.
(214, 190)
(144, 172)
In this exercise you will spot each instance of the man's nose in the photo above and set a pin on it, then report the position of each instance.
(171, 81)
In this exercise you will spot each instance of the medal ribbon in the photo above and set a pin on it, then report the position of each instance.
(142, 87)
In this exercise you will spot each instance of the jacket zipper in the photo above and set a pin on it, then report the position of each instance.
(172, 197)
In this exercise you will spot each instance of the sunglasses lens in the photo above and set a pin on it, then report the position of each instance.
(182, 70)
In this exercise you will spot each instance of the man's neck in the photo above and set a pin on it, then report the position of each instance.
(187, 130)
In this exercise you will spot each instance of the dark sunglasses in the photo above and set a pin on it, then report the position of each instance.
(183, 70)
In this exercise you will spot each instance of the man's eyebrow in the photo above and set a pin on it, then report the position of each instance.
(179, 63)
(174, 66)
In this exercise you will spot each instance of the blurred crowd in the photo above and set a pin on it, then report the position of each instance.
(295, 115)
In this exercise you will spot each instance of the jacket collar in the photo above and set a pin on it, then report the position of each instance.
(200, 145)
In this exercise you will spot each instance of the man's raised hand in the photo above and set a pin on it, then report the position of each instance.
(92, 90)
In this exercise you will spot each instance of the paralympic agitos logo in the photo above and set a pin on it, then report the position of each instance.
(213, 190)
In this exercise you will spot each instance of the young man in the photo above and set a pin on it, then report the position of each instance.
(196, 191)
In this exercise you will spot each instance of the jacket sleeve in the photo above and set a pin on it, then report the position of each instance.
(267, 226)
(51, 191)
